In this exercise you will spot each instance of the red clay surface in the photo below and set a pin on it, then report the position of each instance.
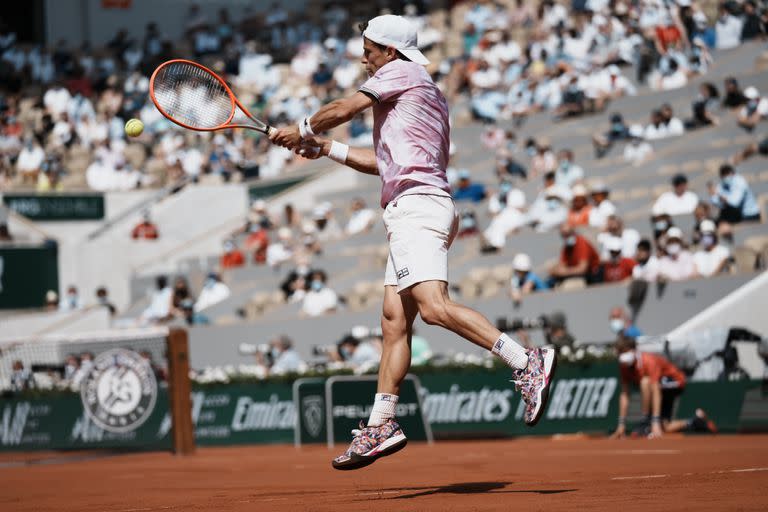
(694, 473)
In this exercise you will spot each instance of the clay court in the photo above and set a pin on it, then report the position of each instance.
(691, 473)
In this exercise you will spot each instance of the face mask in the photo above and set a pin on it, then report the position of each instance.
(618, 127)
(102, 300)
(505, 188)
(345, 353)
(467, 223)
(209, 283)
(531, 150)
(317, 285)
(627, 358)
(728, 181)
(660, 225)
(708, 241)
(274, 353)
(564, 165)
(570, 241)
(553, 204)
(673, 249)
(617, 325)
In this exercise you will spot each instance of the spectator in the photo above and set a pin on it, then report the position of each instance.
(678, 201)
(357, 353)
(285, 358)
(524, 281)
(733, 97)
(580, 210)
(702, 107)
(674, 78)
(700, 214)
(30, 160)
(71, 366)
(610, 85)
(232, 257)
(21, 378)
(506, 164)
(647, 265)
(102, 299)
(549, 210)
(51, 301)
(327, 227)
(511, 218)
(728, 28)
(614, 228)
(556, 331)
(733, 196)
(319, 299)
(621, 324)
(181, 292)
(159, 309)
(361, 219)
(638, 150)
(466, 190)
(573, 100)
(677, 263)
(602, 206)
(146, 229)
(616, 268)
(543, 160)
(618, 131)
(213, 292)
(754, 111)
(753, 25)
(711, 258)
(71, 301)
(577, 258)
(568, 173)
(282, 250)
(257, 242)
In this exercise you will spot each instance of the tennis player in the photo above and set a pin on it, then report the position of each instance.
(410, 155)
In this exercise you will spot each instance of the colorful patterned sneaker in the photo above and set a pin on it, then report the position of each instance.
(533, 382)
(370, 443)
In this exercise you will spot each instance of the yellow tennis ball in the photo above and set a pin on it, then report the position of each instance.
(134, 127)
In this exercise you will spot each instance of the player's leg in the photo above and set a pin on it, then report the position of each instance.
(397, 318)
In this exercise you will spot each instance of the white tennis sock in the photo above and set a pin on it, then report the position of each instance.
(511, 352)
(383, 409)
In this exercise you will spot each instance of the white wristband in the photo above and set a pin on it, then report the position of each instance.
(305, 128)
(338, 152)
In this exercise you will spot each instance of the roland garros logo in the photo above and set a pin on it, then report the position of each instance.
(120, 392)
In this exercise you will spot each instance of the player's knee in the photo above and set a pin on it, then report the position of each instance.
(434, 314)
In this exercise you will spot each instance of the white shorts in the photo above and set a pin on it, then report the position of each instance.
(420, 229)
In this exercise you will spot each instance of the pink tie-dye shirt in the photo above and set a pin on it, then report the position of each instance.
(410, 130)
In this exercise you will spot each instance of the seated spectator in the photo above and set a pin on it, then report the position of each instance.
(213, 292)
(711, 258)
(361, 219)
(232, 257)
(610, 85)
(728, 28)
(638, 150)
(677, 262)
(567, 173)
(468, 191)
(646, 264)
(146, 229)
(616, 268)
(578, 215)
(614, 228)
(327, 227)
(733, 97)
(702, 107)
(319, 299)
(159, 309)
(661, 223)
(549, 210)
(678, 201)
(181, 292)
(30, 160)
(71, 300)
(577, 258)
(282, 250)
(21, 378)
(754, 111)
(511, 218)
(524, 281)
(621, 324)
(357, 353)
(674, 78)
(51, 301)
(102, 299)
(733, 196)
(505, 158)
(285, 358)
(663, 124)
(754, 26)
(602, 207)
(543, 160)
(700, 214)
(618, 131)
(573, 100)
(257, 241)
(468, 225)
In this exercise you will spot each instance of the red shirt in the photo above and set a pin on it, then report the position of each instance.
(145, 230)
(583, 250)
(615, 272)
(579, 217)
(259, 241)
(232, 259)
(653, 366)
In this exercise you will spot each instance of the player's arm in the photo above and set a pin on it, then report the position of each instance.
(359, 159)
(621, 428)
(327, 118)
(656, 430)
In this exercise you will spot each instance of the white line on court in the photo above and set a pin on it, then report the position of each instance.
(640, 477)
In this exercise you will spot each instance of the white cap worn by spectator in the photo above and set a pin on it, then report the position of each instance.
(707, 226)
(397, 32)
(521, 263)
(751, 93)
(614, 244)
(579, 190)
(674, 232)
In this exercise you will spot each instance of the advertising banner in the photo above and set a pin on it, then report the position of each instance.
(57, 207)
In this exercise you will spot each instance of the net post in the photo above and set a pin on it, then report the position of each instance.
(179, 392)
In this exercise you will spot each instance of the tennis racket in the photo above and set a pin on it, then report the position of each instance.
(196, 98)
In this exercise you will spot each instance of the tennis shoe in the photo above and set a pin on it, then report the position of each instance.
(533, 382)
(370, 443)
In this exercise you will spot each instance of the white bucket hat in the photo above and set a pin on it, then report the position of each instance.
(397, 32)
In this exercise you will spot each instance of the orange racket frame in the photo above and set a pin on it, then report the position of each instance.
(260, 125)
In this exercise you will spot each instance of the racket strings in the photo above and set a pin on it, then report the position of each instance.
(192, 96)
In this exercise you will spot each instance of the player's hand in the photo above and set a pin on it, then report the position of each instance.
(656, 431)
(620, 433)
(313, 147)
(287, 137)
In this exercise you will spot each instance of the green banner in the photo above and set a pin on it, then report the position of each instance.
(57, 207)
(26, 274)
(309, 401)
(267, 189)
(348, 400)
